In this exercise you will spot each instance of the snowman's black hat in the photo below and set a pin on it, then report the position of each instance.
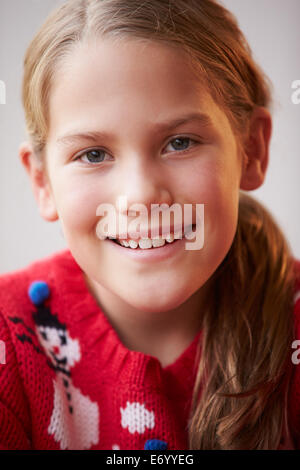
(44, 317)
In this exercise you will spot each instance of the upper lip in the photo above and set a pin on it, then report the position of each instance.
(161, 231)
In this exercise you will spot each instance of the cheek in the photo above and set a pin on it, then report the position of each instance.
(77, 201)
(215, 184)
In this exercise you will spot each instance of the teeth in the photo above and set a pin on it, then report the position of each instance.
(170, 238)
(146, 243)
(158, 242)
(133, 244)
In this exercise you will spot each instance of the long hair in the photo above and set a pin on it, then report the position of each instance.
(240, 393)
(242, 362)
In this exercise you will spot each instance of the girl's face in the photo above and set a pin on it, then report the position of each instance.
(116, 95)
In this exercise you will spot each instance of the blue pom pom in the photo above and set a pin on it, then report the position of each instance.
(155, 444)
(38, 292)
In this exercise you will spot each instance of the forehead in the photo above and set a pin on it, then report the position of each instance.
(129, 80)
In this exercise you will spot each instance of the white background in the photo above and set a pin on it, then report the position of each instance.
(273, 32)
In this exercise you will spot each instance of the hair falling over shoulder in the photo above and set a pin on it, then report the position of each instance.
(245, 360)
(244, 364)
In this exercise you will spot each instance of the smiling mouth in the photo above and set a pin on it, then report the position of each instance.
(133, 245)
(148, 243)
(59, 361)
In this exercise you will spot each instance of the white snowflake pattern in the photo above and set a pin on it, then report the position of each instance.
(137, 418)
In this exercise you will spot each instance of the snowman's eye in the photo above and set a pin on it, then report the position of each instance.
(44, 335)
(63, 340)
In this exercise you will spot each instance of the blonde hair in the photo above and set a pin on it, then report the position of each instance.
(242, 362)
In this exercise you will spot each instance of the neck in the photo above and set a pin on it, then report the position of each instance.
(164, 335)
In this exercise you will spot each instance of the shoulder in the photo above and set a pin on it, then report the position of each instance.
(38, 267)
(21, 315)
(14, 285)
(294, 391)
(24, 364)
(296, 325)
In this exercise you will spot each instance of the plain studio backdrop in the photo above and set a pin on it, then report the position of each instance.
(272, 30)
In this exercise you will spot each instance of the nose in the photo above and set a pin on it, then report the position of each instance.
(142, 181)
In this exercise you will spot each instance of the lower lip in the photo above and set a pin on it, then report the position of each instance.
(151, 254)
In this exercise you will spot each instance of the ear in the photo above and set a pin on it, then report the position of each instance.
(256, 150)
(39, 181)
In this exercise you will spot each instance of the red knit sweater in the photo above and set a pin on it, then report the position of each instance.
(67, 381)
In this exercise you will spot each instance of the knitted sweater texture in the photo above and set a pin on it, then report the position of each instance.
(68, 382)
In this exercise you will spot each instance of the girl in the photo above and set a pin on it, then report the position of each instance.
(113, 345)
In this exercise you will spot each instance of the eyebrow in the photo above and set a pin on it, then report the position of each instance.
(94, 136)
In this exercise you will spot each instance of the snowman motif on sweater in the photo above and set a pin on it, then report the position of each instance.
(74, 422)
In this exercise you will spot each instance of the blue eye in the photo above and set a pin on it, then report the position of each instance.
(181, 143)
(92, 156)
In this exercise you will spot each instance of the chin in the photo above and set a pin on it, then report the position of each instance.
(155, 302)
